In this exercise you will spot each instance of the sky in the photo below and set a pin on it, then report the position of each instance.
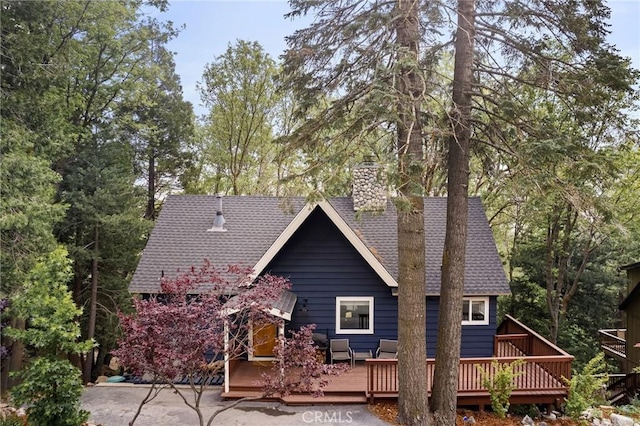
(211, 25)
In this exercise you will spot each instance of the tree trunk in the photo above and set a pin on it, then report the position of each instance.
(77, 273)
(445, 382)
(413, 406)
(93, 307)
(150, 213)
(15, 359)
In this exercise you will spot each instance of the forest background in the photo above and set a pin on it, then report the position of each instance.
(96, 131)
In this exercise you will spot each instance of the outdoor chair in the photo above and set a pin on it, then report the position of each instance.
(388, 349)
(340, 350)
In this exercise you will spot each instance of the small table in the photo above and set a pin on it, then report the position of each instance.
(360, 356)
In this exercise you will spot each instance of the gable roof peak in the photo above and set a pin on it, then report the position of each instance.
(349, 233)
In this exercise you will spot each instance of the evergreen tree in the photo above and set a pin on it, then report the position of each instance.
(364, 57)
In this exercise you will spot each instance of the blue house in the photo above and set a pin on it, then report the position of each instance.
(341, 257)
(342, 264)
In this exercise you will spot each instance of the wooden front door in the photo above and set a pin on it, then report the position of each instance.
(264, 339)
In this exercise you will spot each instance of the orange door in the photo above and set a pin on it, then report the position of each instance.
(264, 339)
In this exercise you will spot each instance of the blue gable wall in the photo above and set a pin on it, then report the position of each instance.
(322, 264)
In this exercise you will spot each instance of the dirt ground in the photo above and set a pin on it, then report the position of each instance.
(388, 411)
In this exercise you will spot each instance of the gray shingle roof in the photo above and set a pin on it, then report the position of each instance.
(180, 238)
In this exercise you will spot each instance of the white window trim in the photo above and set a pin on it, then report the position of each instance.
(469, 301)
(341, 299)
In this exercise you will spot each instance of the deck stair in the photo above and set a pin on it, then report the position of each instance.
(621, 389)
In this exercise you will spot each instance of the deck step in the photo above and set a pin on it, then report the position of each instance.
(326, 399)
(237, 394)
(236, 388)
(618, 399)
(300, 399)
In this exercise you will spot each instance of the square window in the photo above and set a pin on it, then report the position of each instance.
(354, 315)
(475, 311)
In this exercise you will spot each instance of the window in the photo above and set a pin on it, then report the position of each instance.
(354, 315)
(475, 311)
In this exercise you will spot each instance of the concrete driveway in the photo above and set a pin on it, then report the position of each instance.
(115, 405)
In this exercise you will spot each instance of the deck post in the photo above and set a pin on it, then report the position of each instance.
(226, 356)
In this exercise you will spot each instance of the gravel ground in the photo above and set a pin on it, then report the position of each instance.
(115, 405)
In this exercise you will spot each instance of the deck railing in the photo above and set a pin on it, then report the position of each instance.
(545, 364)
(536, 374)
(533, 345)
(611, 340)
(505, 345)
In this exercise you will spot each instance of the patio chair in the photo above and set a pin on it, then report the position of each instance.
(388, 349)
(340, 350)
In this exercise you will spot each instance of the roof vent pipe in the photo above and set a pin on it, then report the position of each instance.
(219, 221)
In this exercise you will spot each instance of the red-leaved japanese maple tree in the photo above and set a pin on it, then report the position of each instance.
(297, 368)
(207, 313)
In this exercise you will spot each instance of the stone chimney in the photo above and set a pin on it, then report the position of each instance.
(368, 191)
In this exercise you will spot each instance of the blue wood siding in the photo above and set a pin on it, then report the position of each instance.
(477, 340)
(322, 264)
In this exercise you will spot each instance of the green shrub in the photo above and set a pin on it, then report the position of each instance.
(51, 388)
(500, 384)
(585, 388)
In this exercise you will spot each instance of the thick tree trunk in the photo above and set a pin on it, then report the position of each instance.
(413, 407)
(445, 382)
(93, 307)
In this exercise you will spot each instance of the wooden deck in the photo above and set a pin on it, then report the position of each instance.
(376, 378)
(348, 388)
(539, 379)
